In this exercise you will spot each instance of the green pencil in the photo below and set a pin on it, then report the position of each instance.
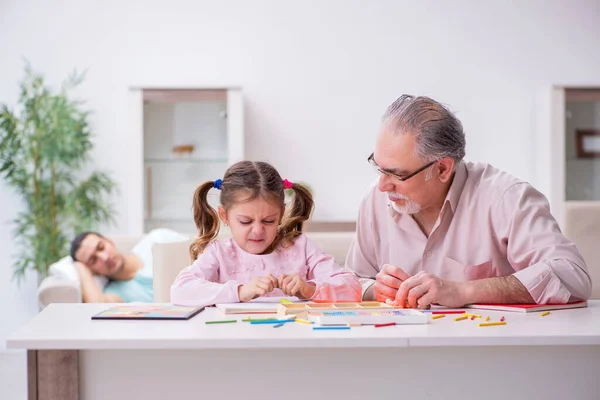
(258, 319)
(222, 321)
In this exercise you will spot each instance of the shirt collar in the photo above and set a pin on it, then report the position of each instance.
(457, 186)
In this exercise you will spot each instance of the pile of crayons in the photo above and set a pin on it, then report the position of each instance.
(465, 315)
(435, 315)
(277, 323)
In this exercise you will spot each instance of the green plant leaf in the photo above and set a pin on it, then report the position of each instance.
(45, 143)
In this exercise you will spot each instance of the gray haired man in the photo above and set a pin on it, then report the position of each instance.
(435, 229)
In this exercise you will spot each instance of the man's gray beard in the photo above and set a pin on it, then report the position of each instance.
(409, 207)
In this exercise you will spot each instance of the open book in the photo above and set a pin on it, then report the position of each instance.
(149, 312)
(527, 308)
(261, 305)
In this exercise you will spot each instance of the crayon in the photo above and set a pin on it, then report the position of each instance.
(382, 325)
(331, 328)
(491, 323)
(222, 321)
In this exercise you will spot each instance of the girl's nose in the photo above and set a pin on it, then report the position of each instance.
(258, 228)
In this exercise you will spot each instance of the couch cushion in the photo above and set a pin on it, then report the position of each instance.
(582, 226)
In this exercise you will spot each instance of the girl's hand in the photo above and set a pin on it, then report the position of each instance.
(257, 287)
(294, 285)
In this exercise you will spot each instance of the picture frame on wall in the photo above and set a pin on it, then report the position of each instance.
(588, 143)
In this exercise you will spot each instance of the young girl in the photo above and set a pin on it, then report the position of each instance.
(267, 255)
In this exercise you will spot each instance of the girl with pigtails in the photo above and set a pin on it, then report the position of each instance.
(267, 254)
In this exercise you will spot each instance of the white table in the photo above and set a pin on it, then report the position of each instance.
(532, 357)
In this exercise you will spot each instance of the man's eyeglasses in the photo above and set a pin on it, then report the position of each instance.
(371, 161)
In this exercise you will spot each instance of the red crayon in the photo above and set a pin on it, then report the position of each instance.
(382, 325)
(502, 319)
(448, 312)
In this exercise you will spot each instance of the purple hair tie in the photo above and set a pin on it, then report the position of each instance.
(287, 184)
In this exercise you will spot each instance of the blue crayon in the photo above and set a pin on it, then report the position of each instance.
(278, 325)
(275, 321)
(331, 328)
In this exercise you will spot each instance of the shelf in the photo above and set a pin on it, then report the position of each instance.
(583, 158)
(184, 160)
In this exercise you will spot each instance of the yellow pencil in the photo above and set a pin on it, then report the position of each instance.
(438, 316)
(461, 318)
(544, 314)
(492, 323)
(303, 321)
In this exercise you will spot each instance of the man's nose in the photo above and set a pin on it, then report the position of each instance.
(385, 183)
(103, 255)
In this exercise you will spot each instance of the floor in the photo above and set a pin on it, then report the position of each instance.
(13, 378)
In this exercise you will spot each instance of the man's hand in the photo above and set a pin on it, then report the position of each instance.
(83, 270)
(424, 289)
(257, 287)
(387, 282)
(90, 291)
(295, 285)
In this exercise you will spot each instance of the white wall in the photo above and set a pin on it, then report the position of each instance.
(316, 77)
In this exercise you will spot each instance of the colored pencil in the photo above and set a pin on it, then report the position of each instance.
(437, 316)
(382, 325)
(273, 321)
(250, 319)
(222, 321)
(278, 325)
(330, 328)
(447, 312)
(461, 318)
(544, 314)
(492, 323)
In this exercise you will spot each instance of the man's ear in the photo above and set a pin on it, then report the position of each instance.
(445, 167)
(222, 215)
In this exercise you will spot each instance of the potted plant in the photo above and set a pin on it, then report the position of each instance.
(45, 143)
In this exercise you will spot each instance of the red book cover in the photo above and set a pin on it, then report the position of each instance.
(528, 307)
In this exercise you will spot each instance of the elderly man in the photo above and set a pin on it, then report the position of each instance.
(435, 229)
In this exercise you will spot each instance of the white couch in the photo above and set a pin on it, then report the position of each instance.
(169, 259)
(582, 226)
(56, 290)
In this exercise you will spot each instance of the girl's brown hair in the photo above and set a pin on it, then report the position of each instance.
(245, 181)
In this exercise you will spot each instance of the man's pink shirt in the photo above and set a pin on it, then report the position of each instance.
(491, 224)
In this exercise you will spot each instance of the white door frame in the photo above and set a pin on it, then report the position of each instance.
(550, 163)
(134, 188)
